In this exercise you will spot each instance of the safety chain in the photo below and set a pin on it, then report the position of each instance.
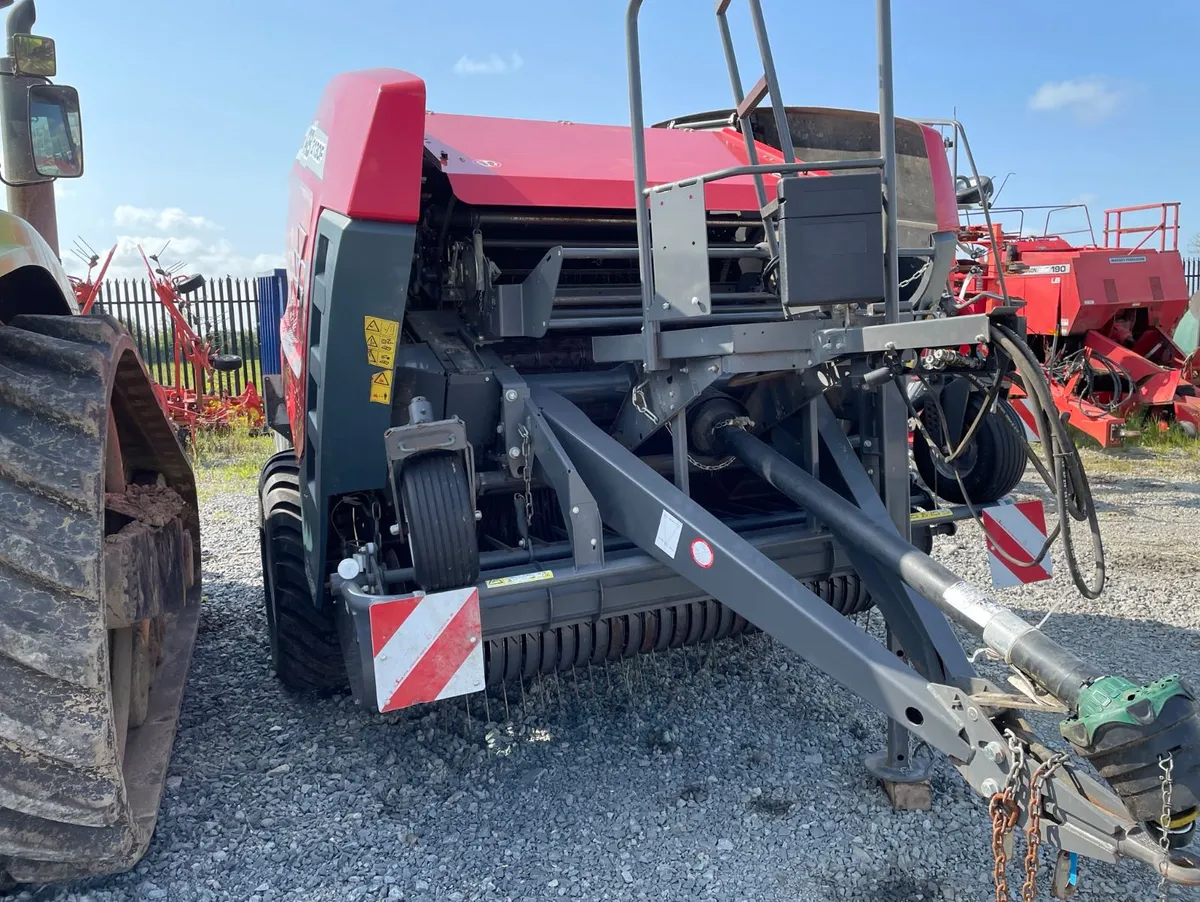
(920, 272)
(1033, 826)
(638, 398)
(1166, 765)
(527, 472)
(1004, 811)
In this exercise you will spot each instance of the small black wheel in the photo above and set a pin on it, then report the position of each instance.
(225, 363)
(305, 649)
(439, 520)
(990, 467)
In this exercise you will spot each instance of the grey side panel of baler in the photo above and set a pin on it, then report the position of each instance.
(365, 273)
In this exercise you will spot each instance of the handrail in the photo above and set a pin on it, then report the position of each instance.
(768, 84)
(1162, 228)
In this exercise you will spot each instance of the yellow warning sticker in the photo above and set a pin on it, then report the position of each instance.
(381, 336)
(381, 387)
(520, 579)
(925, 516)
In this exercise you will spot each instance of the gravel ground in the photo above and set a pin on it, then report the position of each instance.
(728, 774)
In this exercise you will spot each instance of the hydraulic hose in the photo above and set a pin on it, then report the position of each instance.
(1073, 494)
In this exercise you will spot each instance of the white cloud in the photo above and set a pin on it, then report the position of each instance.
(494, 64)
(1087, 198)
(1089, 99)
(177, 237)
(169, 219)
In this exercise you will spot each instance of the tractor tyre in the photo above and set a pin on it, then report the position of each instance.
(305, 650)
(439, 521)
(99, 598)
(989, 468)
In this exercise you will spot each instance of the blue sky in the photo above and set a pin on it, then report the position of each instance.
(193, 112)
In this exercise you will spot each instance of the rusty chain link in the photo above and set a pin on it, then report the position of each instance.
(1004, 811)
(1033, 826)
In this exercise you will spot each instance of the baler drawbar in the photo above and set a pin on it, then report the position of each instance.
(547, 419)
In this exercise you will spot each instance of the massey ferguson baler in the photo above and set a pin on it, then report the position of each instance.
(559, 394)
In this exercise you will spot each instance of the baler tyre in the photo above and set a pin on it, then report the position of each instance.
(93, 683)
(439, 520)
(306, 652)
(990, 467)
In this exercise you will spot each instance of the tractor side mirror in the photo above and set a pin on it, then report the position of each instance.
(55, 131)
(32, 54)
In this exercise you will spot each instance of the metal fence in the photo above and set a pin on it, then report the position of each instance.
(225, 312)
(1191, 269)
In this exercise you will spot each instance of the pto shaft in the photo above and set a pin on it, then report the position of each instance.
(1061, 672)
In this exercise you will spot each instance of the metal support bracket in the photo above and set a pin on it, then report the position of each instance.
(679, 226)
(516, 311)
(679, 532)
(403, 442)
(659, 397)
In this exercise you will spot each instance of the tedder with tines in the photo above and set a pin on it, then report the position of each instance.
(559, 394)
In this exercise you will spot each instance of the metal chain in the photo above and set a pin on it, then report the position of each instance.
(920, 272)
(1166, 765)
(526, 473)
(1033, 826)
(638, 398)
(1004, 811)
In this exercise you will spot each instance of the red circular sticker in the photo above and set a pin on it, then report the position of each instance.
(702, 553)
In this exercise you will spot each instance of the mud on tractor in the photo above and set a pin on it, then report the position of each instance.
(650, 387)
(99, 528)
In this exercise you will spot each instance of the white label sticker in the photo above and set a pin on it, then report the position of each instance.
(312, 151)
(1055, 269)
(1126, 259)
(669, 529)
(702, 553)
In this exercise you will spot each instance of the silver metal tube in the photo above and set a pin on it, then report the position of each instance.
(773, 169)
(768, 61)
(735, 81)
(887, 148)
(637, 127)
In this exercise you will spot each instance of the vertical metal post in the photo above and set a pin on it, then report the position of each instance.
(735, 82)
(679, 445)
(768, 61)
(32, 202)
(887, 146)
(637, 127)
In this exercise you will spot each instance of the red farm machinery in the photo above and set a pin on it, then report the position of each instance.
(1099, 315)
(650, 387)
(206, 405)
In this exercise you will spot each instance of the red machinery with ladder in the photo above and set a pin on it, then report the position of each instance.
(1100, 316)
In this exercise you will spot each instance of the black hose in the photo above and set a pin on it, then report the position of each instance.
(1072, 491)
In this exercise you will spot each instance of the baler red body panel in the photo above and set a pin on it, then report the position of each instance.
(363, 157)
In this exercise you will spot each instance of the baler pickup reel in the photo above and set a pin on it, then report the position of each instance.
(809, 395)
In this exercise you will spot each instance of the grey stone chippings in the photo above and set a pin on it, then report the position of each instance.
(726, 774)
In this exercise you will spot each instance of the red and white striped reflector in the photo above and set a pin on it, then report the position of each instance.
(1024, 412)
(426, 647)
(1019, 530)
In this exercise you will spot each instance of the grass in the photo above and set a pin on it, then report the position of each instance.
(226, 458)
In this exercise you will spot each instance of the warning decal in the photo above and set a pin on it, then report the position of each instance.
(702, 553)
(380, 336)
(381, 387)
(519, 579)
